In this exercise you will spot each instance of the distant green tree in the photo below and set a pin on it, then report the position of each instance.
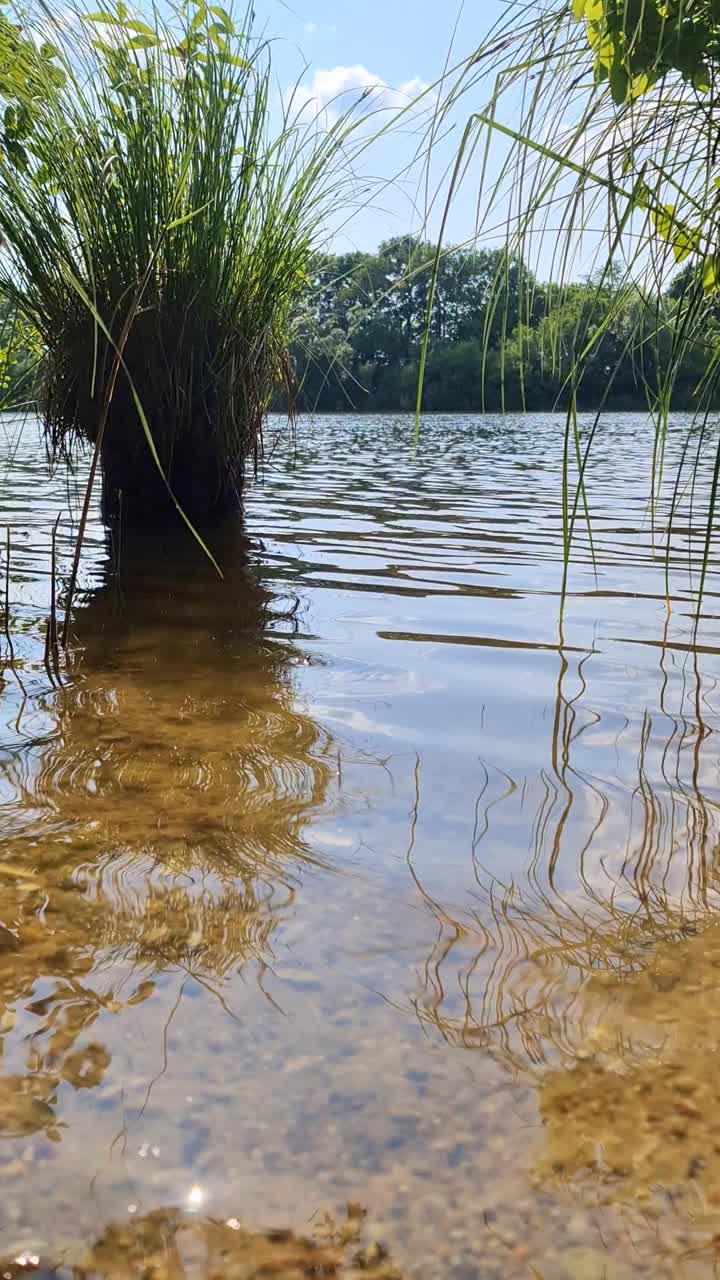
(366, 314)
(499, 339)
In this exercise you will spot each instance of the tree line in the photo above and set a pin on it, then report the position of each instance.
(499, 339)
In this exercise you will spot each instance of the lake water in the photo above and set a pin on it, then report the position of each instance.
(355, 916)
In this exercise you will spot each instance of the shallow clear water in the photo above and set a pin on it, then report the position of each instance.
(352, 896)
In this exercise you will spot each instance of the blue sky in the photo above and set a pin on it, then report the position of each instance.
(402, 43)
(399, 39)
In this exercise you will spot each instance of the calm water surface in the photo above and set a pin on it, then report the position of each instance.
(354, 917)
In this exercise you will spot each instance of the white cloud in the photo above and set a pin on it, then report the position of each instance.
(316, 28)
(339, 89)
(412, 89)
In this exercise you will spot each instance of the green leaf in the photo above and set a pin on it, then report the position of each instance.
(187, 217)
(217, 35)
(685, 243)
(619, 83)
(103, 16)
(199, 19)
(17, 154)
(24, 123)
(143, 42)
(639, 85)
(684, 239)
(709, 275)
(224, 17)
(664, 220)
(134, 24)
(590, 10)
(602, 44)
(108, 49)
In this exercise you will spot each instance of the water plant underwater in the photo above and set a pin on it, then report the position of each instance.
(160, 203)
(598, 146)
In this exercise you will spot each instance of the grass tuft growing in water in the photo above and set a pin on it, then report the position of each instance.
(158, 220)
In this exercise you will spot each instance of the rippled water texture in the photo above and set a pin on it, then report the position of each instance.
(354, 917)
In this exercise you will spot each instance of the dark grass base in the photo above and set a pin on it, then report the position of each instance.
(135, 493)
(204, 422)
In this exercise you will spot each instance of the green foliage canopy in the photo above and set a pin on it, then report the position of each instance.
(637, 42)
(500, 339)
(27, 70)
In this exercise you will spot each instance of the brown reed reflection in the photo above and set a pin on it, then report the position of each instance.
(608, 888)
(594, 974)
(159, 822)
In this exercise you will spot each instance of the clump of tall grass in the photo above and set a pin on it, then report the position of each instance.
(157, 223)
(594, 126)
